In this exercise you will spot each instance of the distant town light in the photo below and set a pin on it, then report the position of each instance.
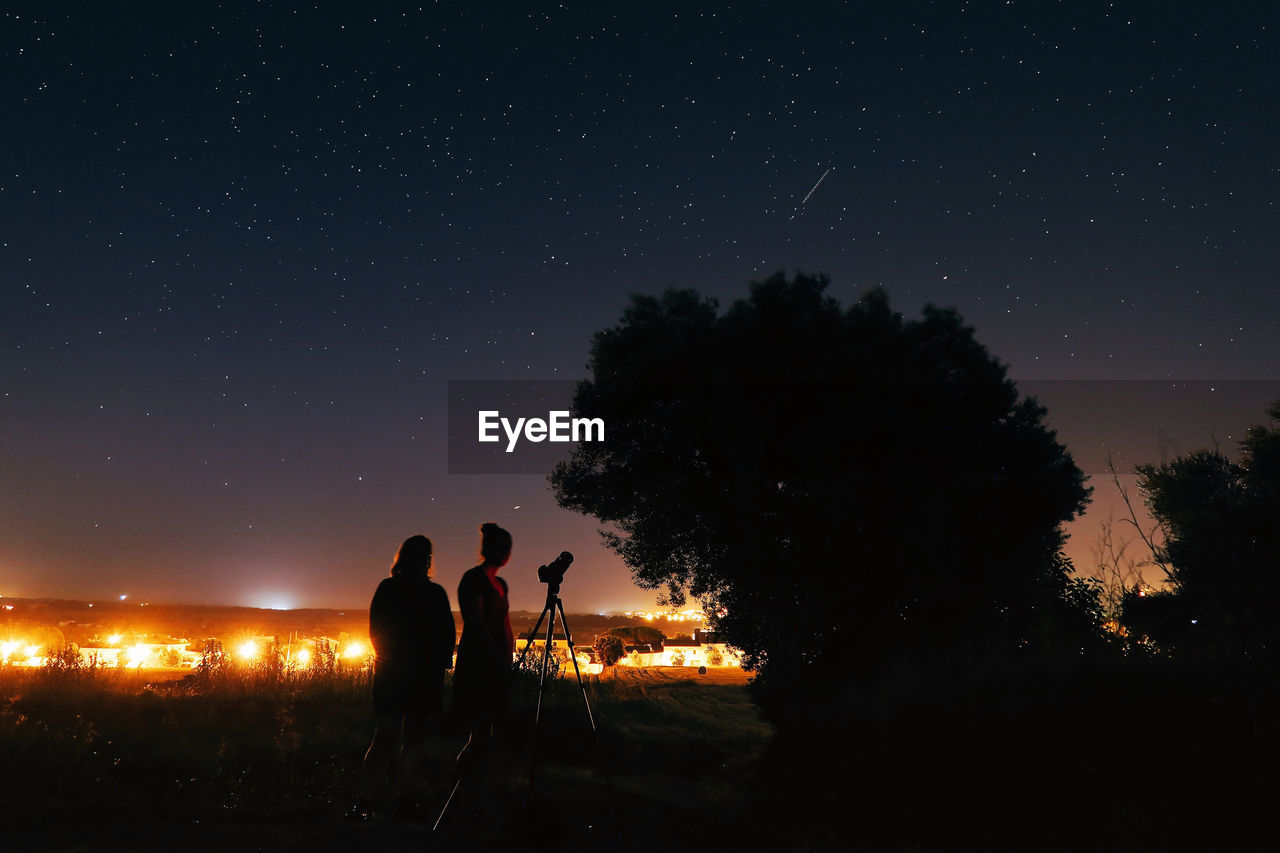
(273, 601)
(123, 597)
(690, 615)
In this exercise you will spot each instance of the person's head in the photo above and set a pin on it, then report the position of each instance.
(414, 556)
(495, 544)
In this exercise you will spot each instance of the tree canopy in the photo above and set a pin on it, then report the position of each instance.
(639, 634)
(611, 649)
(833, 485)
(1222, 544)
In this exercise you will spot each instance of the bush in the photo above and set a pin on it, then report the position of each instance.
(610, 650)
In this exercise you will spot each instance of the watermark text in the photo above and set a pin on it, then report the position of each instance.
(557, 427)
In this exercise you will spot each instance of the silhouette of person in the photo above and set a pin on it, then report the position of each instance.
(482, 673)
(412, 630)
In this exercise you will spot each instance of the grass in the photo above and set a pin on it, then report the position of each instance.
(101, 753)
(1098, 755)
(113, 745)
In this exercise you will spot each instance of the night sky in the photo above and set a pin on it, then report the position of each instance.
(244, 247)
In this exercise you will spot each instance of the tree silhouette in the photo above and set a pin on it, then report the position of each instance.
(610, 649)
(1222, 543)
(836, 487)
(639, 634)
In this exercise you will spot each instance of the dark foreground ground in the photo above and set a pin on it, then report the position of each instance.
(100, 761)
(328, 833)
(1125, 755)
(324, 833)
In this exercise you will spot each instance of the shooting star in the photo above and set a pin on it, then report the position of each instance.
(818, 184)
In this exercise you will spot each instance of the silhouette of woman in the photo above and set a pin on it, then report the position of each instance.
(412, 630)
(482, 672)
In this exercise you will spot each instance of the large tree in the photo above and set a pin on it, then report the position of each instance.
(1221, 520)
(835, 486)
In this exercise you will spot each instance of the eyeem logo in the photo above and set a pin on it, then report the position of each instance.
(517, 426)
(558, 427)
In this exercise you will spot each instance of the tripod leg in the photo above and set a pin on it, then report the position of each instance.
(542, 680)
(574, 657)
(547, 608)
(447, 803)
(595, 735)
(546, 659)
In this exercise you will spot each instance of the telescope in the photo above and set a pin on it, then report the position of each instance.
(552, 574)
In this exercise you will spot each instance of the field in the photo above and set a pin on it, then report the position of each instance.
(120, 760)
(1098, 752)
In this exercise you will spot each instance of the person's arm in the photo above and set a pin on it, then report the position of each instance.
(479, 641)
(446, 631)
(380, 619)
(506, 627)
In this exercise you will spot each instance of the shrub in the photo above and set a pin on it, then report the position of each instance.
(610, 649)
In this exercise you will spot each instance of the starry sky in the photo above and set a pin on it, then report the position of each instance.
(244, 247)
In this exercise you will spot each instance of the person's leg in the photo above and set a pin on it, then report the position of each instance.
(378, 759)
(473, 761)
(412, 758)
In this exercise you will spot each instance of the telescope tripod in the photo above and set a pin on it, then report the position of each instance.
(553, 607)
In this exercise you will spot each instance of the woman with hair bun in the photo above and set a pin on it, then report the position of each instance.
(482, 671)
(411, 627)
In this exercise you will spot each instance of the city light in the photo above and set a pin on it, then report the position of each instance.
(690, 615)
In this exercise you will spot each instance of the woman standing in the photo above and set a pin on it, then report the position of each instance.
(412, 630)
(482, 672)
